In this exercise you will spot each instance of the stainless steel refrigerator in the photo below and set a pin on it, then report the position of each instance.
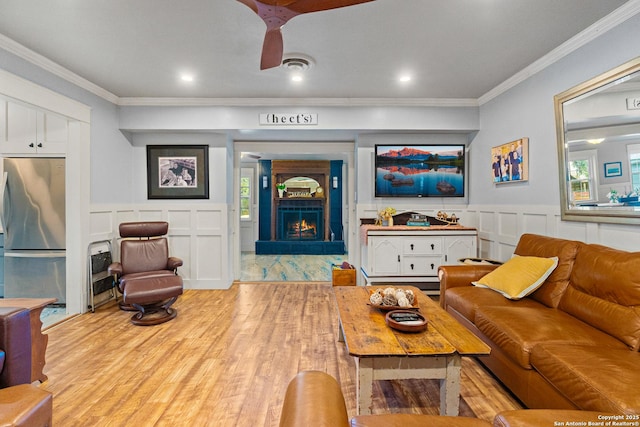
(33, 220)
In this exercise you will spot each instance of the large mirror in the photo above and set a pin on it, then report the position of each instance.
(598, 126)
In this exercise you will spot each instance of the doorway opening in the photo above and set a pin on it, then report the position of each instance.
(306, 226)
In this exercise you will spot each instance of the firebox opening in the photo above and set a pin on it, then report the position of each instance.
(300, 223)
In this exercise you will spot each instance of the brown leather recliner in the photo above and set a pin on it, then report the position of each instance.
(146, 275)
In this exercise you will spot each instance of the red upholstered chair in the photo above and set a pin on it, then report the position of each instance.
(146, 275)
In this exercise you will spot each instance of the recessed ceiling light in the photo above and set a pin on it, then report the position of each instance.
(187, 77)
(296, 78)
(404, 78)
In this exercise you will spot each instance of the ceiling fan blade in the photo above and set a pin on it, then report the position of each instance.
(250, 4)
(272, 49)
(308, 6)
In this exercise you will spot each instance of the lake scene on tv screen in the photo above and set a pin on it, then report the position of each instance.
(419, 171)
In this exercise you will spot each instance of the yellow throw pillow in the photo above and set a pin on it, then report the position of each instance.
(519, 276)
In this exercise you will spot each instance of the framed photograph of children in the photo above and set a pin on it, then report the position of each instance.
(510, 162)
(177, 171)
(612, 169)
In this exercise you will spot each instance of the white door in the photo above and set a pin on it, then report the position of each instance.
(248, 209)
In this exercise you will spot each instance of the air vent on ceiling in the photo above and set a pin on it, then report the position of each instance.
(297, 63)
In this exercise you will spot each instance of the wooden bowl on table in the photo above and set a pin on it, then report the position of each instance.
(406, 320)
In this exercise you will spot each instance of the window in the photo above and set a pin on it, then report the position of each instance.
(634, 165)
(582, 176)
(246, 184)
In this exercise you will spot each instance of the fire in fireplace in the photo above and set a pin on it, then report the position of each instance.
(301, 230)
(300, 222)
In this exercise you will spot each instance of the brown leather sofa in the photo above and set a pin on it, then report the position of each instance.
(21, 404)
(314, 399)
(571, 344)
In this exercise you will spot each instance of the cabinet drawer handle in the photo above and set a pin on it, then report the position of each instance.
(412, 246)
(432, 266)
(398, 258)
(31, 145)
(433, 246)
(412, 266)
(40, 145)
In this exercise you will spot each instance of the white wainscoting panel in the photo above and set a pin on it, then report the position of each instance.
(500, 227)
(198, 233)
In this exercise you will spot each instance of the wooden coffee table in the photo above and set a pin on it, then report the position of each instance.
(382, 353)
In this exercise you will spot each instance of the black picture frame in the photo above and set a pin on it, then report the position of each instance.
(177, 171)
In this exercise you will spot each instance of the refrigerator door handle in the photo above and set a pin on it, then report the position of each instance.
(3, 188)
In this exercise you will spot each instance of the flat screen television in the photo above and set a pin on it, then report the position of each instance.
(415, 170)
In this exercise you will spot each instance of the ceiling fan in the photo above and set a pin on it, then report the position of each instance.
(276, 13)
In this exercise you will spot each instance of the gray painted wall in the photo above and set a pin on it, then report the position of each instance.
(527, 110)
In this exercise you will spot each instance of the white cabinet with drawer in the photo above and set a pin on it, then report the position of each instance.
(398, 255)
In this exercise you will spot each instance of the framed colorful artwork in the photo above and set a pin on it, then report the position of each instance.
(510, 162)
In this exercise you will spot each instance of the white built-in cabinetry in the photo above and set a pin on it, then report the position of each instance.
(28, 130)
(413, 256)
(30, 113)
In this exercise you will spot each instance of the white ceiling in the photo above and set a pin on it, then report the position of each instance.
(454, 49)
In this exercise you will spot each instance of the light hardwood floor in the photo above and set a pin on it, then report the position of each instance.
(225, 360)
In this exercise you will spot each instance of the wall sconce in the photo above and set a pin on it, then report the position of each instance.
(265, 182)
(335, 182)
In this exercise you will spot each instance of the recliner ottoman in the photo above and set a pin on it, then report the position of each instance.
(152, 297)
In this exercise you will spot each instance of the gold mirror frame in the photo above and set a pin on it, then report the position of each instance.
(615, 215)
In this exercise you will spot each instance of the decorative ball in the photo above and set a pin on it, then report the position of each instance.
(410, 296)
(404, 302)
(389, 291)
(375, 299)
(389, 299)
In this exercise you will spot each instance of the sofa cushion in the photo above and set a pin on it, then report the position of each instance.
(594, 378)
(466, 300)
(516, 330)
(604, 291)
(519, 276)
(554, 286)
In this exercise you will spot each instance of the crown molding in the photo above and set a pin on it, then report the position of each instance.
(618, 16)
(54, 68)
(306, 102)
(615, 18)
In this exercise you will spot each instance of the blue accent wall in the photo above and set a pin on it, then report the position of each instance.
(264, 200)
(335, 200)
